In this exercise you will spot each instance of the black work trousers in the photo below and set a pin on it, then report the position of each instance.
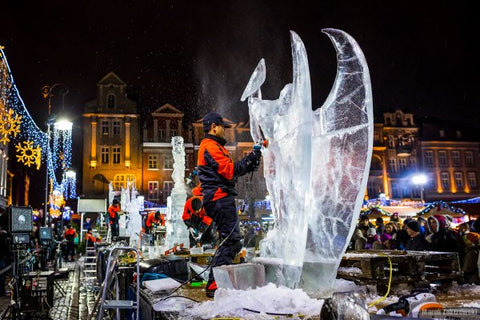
(224, 214)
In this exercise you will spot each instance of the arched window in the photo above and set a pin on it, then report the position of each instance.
(111, 101)
(120, 180)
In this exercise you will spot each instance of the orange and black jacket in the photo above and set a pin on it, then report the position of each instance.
(90, 239)
(216, 170)
(194, 219)
(113, 213)
(151, 220)
(70, 234)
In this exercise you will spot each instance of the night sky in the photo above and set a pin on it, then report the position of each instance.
(198, 55)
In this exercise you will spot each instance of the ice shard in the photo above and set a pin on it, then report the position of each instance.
(316, 165)
(287, 124)
(177, 233)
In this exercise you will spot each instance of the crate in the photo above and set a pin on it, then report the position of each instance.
(414, 268)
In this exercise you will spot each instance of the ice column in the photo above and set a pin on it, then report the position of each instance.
(177, 233)
(316, 164)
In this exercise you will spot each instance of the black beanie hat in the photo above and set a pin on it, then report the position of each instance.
(414, 225)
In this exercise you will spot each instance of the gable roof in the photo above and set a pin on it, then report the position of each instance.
(111, 78)
(167, 108)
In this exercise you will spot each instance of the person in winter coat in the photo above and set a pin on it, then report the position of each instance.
(198, 223)
(444, 239)
(471, 260)
(360, 233)
(70, 235)
(416, 239)
(90, 239)
(390, 230)
(113, 215)
(218, 174)
(154, 219)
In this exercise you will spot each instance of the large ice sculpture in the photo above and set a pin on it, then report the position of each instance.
(316, 164)
(177, 233)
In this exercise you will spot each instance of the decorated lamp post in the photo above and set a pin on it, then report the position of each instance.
(420, 180)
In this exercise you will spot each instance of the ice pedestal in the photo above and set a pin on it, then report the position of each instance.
(240, 276)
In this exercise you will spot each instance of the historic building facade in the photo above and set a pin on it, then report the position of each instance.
(111, 139)
(448, 157)
(450, 160)
(157, 159)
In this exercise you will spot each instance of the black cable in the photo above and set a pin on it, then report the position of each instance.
(270, 313)
(209, 265)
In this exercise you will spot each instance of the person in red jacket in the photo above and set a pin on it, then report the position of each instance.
(217, 174)
(154, 219)
(90, 239)
(196, 220)
(113, 214)
(70, 235)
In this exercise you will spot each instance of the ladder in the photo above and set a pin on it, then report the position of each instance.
(116, 304)
(90, 264)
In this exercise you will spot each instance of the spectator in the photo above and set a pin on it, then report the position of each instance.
(372, 242)
(416, 240)
(380, 225)
(471, 262)
(360, 233)
(395, 218)
(463, 229)
(391, 230)
(444, 239)
(402, 235)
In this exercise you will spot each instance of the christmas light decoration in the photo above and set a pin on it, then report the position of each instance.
(9, 125)
(28, 154)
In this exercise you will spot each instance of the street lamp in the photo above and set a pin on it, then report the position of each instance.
(48, 93)
(420, 180)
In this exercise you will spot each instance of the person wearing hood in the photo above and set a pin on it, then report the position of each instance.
(360, 234)
(444, 239)
(471, 261)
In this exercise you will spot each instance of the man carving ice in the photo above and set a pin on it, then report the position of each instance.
(218, 173)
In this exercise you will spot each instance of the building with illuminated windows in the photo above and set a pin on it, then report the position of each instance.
(111, 139)
(447, 156)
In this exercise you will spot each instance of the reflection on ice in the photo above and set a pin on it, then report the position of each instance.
(316, 164)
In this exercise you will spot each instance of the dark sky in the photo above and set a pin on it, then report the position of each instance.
(199, 55)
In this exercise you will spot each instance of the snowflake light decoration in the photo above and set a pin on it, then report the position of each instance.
(28, 154)
(9, 125)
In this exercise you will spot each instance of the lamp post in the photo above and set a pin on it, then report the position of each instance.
(48, 93)
(420, 180)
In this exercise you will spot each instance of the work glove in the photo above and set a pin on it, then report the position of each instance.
(253, 158)
(200, 234)
(193, 232)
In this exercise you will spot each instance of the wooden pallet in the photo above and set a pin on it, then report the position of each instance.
(414, 268)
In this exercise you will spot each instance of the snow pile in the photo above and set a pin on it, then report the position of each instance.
(262, 303)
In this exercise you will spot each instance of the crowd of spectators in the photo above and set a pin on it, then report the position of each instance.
(435, 233)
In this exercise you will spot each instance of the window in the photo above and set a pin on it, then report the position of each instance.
(167, 189)
(442, 158)
(116, 127)
(105, 125)
(372, 189)
(395, 193)
(456, 158)
(472, 180)
(116, 154)
(152, 161)
(391, 142)
(104, 154)
(391, 165)
(428, 157)
(121, 180)
(161, 135)
(153, 192)
(173, 132)
(110, 101)
(469, 158)
(168, 161)
(402, 164)
(412, 162)
(458, 179)
(444, 177)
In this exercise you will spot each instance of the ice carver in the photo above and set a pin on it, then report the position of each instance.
(198, 223)
(113, 215)
(154, 219)
(217, 174)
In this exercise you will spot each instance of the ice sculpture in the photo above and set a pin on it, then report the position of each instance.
(316, 164)
(177, 233)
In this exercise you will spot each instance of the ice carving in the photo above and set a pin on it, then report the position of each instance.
(316, 164)
(177, 233)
